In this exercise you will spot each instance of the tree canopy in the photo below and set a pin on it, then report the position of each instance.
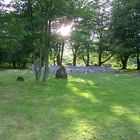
(99, 31)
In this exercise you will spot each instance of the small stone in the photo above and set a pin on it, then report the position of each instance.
(20, 78)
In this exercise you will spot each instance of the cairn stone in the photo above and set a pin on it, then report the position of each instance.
(20, 78)
(61, 73)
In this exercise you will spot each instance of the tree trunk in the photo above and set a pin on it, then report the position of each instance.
(87, 63)
(47, 46)
(74, 59)
(24, 65)
(62, 51)
(34, 66)
(138, 62)
(124, 64)
(58, 60)
(83, 57)
(46, 71)
(74, 52)
(40, 63)
(19, 64)
(14, 64)
(100, 59)
(55, 54)
(58, 57)
(124, 60)
(86, 60)
(54, 62)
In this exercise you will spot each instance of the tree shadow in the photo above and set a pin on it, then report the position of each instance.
(78, 108)
(88, 114)
(102, 105)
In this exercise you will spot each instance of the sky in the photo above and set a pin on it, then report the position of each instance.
(7, 1)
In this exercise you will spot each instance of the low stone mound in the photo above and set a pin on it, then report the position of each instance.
(20, 78)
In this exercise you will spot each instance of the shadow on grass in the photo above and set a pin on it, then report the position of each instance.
(107, 113)
(83, 108)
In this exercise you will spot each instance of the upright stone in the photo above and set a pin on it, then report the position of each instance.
(61, 73)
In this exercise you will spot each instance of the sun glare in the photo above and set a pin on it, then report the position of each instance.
(65, 30)
(7, 1)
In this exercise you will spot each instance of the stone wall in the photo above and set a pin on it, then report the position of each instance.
(84, 70)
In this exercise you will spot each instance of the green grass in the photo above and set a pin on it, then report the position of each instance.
(86, 107)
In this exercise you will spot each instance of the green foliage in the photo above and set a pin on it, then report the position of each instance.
(125, 28)
(100, 28)
(11, 35)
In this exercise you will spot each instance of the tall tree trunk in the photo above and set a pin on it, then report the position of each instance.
(40, 62)
(100, 59)
(24, 65)
(55, 54)
(88, 58)
(54, 60)
(124, 64)
(58, 57)
(138, 62)
(124, 60)
(47, 46)
(46, 71)
(34, 66)
(62, 51)
(14, 63)
(74, 52)
(83, 57)
(74, 59)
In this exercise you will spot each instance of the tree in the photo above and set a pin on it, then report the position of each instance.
(81, 37)
(52, 11)
(101, 35)
(136, 30)
(124, 29)
(11, 35)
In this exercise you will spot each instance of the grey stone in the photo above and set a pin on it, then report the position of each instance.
(61, 73)
(20, 78)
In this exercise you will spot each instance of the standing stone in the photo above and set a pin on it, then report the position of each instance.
(61, 73)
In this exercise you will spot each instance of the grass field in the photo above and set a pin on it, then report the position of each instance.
(86, 107)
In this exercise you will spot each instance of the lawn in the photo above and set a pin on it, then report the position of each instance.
(86, 107)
